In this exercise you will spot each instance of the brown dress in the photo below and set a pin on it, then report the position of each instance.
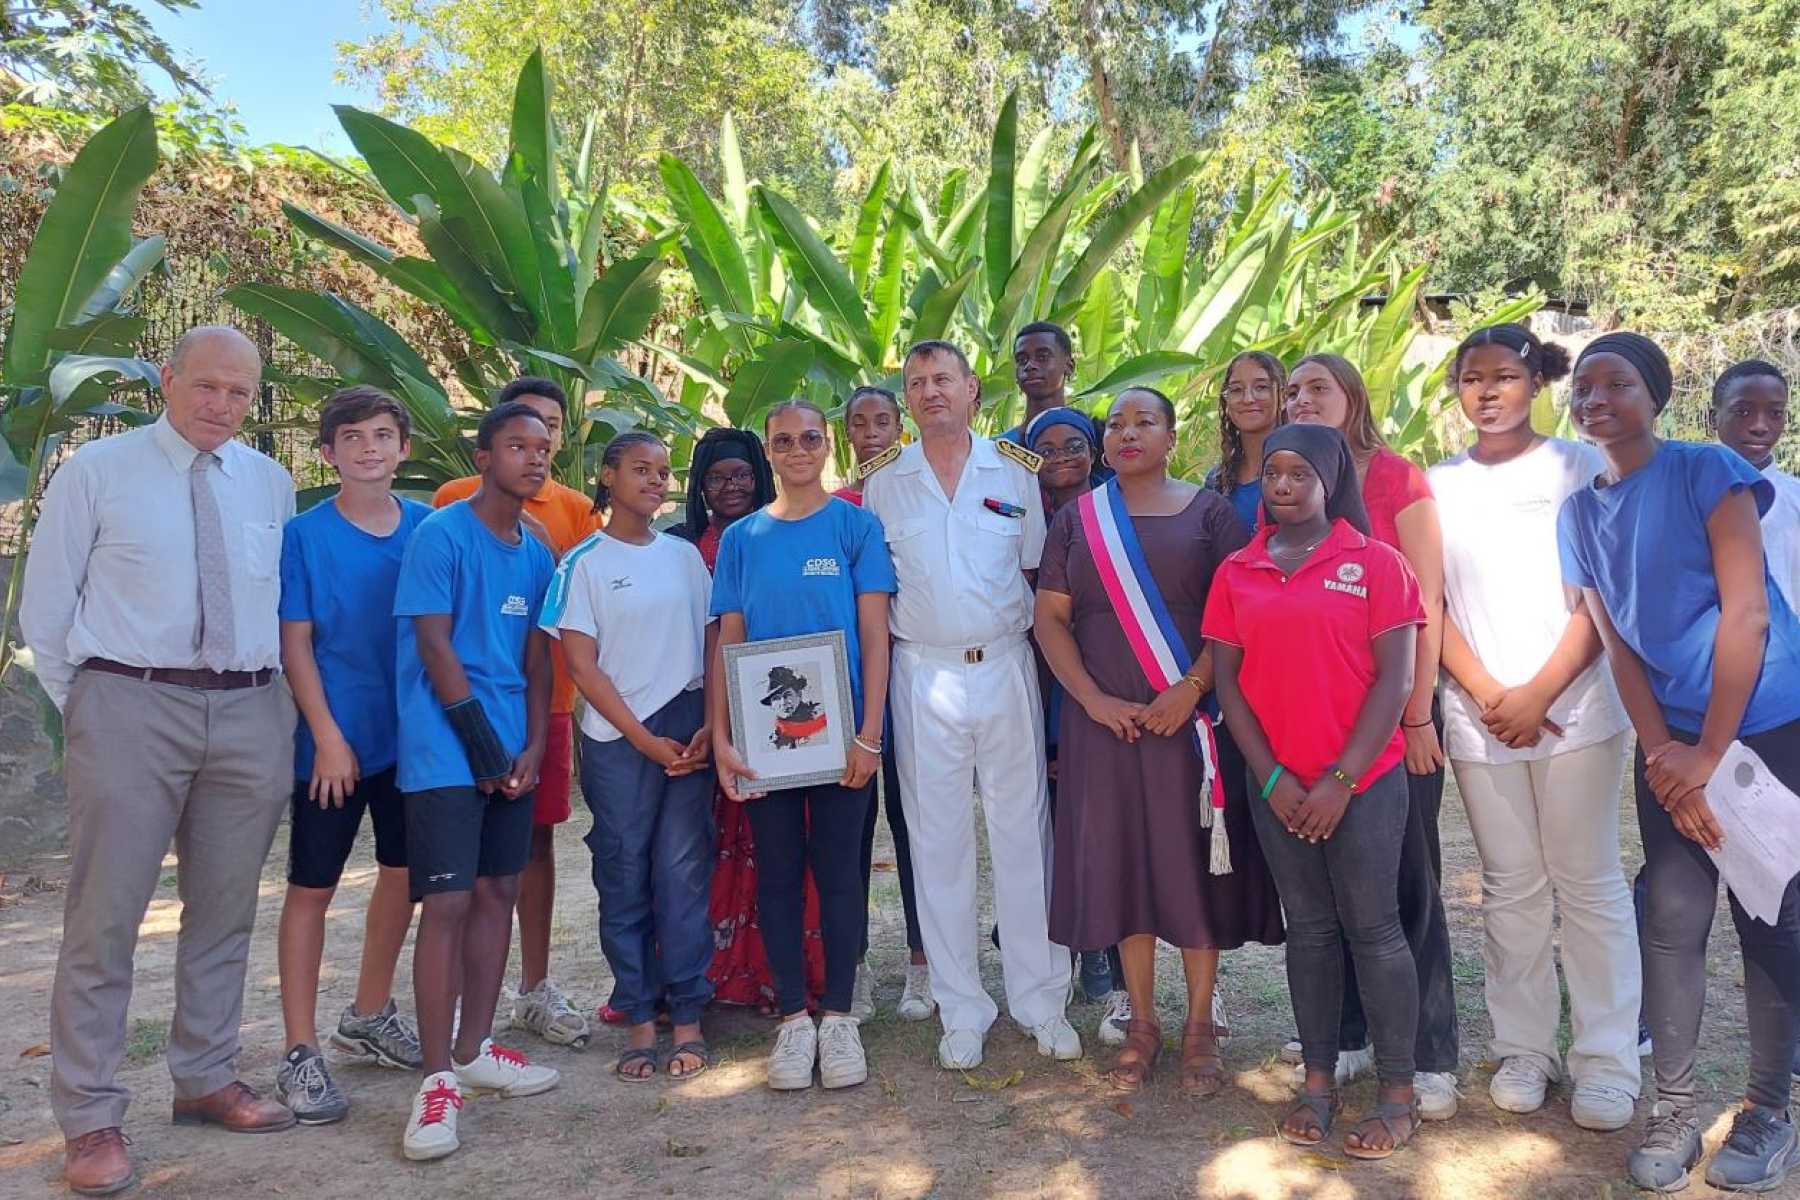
(1131, 856)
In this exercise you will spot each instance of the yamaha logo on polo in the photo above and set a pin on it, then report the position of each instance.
(1349, 577)
(515, 606)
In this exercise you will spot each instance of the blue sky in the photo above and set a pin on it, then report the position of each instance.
(274, 59)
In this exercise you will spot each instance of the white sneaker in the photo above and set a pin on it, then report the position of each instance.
(842, 1062)
(1602, 1107)
(431, 1129)
(916, 1003)
(862, 995)
(959, 1050)
(545, 1011)
(796, 1049)
(1351, 1065)
(1057, 1039)
(1436, 1093)
(497, 1069)
(1218, 1014)
(1519, 1085)
(1115, 1018)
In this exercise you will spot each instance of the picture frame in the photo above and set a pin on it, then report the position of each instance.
(792, 716)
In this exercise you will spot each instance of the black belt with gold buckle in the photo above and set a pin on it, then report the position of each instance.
(211, 681)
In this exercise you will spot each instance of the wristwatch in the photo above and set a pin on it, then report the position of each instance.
(1342, 776)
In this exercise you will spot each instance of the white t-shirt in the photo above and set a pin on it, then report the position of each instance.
(645, 607)
(1503, 587)
(1781, 534)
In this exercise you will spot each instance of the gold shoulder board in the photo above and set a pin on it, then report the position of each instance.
(879, 461)
(1019, 454)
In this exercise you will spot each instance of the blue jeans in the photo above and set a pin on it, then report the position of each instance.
(653, 844)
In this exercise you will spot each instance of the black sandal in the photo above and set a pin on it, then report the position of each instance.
(631, 1058)
(1387, 1114)
(1324, 1109)
(696, 1049)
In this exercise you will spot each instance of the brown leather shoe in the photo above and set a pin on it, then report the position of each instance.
(238, 1108)
(96, 1163)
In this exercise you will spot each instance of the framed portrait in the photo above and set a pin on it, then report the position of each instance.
(790, 707)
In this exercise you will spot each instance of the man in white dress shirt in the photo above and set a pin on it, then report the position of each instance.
(150, 607)
(1749, 414)
(965, 525)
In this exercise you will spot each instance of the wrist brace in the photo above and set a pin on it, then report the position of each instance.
(488, 759)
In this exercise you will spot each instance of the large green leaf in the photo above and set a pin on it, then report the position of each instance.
(320, 327)
(1394, 321)
(731, 163)
(402, 160)
(1219, 295)
(1165, 254)
(1039, 249)
(887, 297)
(621, 305)
(123, 277)
(109, 333)
(708, 233)
(998, 242)
(1119, 225)
(1101, 324)
(448, 240)
(868, 225)
(1031, 182)
(827, 284)
(494, 229)
(533, 129)
(555, 276)
(1251, 315)
(85, 231)
(772, 376)
(364, 250)
(934, 316)
(1143, 369)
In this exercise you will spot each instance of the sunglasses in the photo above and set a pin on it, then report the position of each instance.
(785, 443)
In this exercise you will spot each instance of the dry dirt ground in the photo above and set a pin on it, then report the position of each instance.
(1020, 1127)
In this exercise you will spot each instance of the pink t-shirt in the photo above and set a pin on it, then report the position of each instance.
(1391, 485)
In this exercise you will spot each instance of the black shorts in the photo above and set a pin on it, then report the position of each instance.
(454, 835)
(320, 842)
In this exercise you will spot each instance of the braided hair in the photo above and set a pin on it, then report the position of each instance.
(614, 454)
(743, 444)
(1231, 441)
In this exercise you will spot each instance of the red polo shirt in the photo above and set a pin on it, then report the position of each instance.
(1308, 641)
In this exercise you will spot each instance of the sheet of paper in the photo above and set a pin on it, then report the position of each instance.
(1760, 821)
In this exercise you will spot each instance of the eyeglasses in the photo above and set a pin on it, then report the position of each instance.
(784, 443)
(743, 477)
(1262, 390)
(1075, 448)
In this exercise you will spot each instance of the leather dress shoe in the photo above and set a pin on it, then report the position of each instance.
(237, 1108)
(96, 1164)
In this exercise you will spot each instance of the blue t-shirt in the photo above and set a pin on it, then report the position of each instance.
(1642, 545)
(342, 579)
(793, 577)
(1244, 497)
(492, 592)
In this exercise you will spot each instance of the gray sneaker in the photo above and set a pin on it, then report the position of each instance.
(1671, 1145)
(1758, 1154)
(304, 1084)
(387, 1037)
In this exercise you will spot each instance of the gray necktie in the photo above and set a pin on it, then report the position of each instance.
(218, 629)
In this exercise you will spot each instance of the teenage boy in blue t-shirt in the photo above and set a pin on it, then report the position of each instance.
(340, 561)
(473, 686)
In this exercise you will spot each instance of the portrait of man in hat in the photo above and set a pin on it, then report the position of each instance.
(798, 717)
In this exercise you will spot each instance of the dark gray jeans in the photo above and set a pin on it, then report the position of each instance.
(1681, 889)
(1345, 890)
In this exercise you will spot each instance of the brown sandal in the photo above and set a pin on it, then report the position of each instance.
(1202, 1067)
(1144, 1039)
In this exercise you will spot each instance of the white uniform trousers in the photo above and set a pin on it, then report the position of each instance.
(959, 728)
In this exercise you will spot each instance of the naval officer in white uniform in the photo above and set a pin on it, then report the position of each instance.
(965, 524)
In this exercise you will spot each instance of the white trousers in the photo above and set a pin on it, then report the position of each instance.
(1550, 827)
(962, 728)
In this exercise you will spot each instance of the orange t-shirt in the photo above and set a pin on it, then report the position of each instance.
(568, 516)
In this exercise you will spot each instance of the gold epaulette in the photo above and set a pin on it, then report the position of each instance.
(879, 461)
(1019, 454)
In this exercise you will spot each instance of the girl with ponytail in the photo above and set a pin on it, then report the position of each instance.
(1537, 738)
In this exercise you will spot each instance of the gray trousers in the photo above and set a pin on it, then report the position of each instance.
(147, 763)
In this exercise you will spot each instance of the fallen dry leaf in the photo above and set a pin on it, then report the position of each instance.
(1123, 1109)
(37, 1051)
(1323, 1162)
(992, 1083)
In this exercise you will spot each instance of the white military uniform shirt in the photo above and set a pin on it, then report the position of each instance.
(960, 561)
(113, 572)
(1781, 534)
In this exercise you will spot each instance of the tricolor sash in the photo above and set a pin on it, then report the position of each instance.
(1154, 638)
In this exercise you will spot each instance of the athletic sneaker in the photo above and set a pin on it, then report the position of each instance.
(1437, 1094)
(1096, 974)
(1114, 1020)
(1057, 1039)
(1602, 1107)
(545, 1011)
(431, 1129)
(304, 1084)
(1758, 1154)
(1520, 1085)
(1351, 1065)
(796, 1049)
(842, 1062)
(497, 1069)
(387, 1037)
(959, 1050)
(916, 1003)
(862, 997)
(1671, 1145)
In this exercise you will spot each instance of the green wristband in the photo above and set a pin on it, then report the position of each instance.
(1273, 776)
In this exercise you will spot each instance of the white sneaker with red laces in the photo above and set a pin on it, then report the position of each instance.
(497, 1069)
(431, 1130)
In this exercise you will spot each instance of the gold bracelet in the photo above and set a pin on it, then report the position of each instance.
(1195, 680)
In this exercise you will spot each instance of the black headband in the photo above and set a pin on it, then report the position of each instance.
(1644, 355)
(1329, 454)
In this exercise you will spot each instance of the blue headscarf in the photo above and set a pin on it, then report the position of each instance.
(1077, 420)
